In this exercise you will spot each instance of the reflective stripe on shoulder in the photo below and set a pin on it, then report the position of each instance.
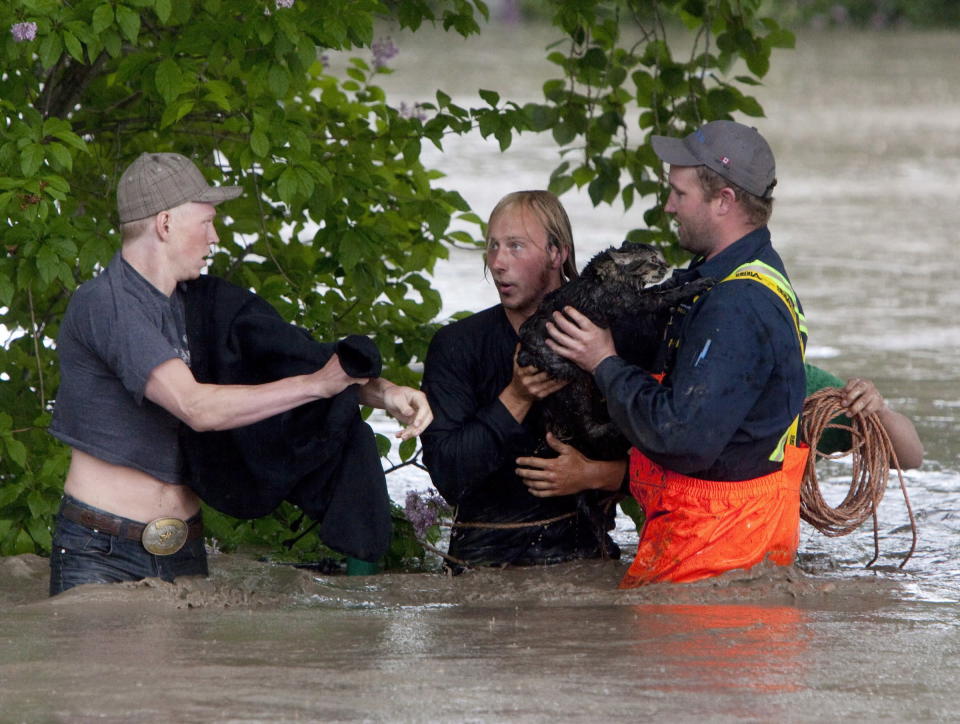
(764, 274)
(773, 280)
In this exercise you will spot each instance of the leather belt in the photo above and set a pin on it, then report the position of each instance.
(124, 528)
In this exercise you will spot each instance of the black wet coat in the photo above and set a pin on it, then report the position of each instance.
(320, 456)
(471, 447)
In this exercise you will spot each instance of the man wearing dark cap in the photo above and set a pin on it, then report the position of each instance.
(716, 464)
(126, 387)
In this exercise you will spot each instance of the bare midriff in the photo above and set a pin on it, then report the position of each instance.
(127, 492)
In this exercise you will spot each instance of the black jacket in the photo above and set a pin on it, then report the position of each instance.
(471, 449)
(320, 456)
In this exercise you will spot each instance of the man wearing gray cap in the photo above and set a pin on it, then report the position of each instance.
(126, 387)
(716, 464)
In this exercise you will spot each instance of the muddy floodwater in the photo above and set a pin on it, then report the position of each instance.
(271, 643)
(865, 128)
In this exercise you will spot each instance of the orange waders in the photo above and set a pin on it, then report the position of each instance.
(700, 528)
(697, 528)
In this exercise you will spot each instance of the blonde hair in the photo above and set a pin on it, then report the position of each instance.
(550, 213)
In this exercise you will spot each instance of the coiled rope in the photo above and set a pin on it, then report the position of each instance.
(872, 455)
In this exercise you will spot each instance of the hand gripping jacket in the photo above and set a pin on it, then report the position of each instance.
(697, 528)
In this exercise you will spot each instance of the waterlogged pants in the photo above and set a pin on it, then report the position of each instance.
(696, 528)
(84, 555)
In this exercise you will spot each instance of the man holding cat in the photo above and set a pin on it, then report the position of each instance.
(514, 506)
(716, 464)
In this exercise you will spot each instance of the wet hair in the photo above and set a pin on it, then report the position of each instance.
(551, 214)
(758, 210)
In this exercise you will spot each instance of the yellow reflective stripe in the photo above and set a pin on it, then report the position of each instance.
(789, 437)
(770, 278)
(773, 280)
(783, 288)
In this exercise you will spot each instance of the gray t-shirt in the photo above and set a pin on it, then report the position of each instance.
(117, 329)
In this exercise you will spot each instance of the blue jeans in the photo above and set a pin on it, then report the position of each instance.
(83, 555)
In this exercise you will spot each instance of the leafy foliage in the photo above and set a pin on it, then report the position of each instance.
(621, 81)
(340, 223)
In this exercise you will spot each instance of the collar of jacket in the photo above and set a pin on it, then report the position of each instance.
(746, 248)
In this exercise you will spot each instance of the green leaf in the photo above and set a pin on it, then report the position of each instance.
(175, 112)
(750, 106)
(163, 8)
(61, 155)
(407, 448)
(504, 136)
(113, 43)
(288, 186)
(129, 22)
(218, 93)
(594, 59)
(778, 37)
(560, 184)
(279, 81)
(50, 49)
(491, 97)
(168, 80)
(259, 143)
(39, 507)
(583, 175)
(564, 133)
(48, 263)
(554, 90)
(383, 445)
(540, 117)
(73, 45)
(31, 159)
(71, 138)
(488, 123)
(102, 18)
(9, 492)
(411, 151)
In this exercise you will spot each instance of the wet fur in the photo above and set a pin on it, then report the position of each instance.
(614, 291)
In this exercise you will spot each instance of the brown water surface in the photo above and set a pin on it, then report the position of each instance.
(258, 642)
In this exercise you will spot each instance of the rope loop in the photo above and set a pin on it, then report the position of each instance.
(872, 456)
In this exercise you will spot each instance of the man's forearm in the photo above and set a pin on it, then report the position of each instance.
(608, 474)
(207, 407)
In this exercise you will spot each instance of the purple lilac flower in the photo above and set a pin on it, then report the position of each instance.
(383, 49)
(423, 509)
(285, 3)
(23, 31)
(414, 111)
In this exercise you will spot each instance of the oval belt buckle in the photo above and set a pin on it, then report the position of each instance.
(164, 536)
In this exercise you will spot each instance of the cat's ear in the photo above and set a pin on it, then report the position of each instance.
(620, 258)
